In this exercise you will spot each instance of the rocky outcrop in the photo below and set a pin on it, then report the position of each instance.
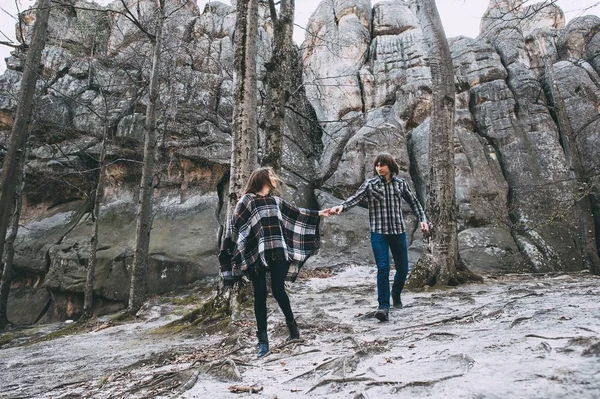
(361, 86)
(509, 157)
(95, 76)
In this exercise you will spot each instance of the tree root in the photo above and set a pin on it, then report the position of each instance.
(519, 320)
(290, 342)
(159, 383)
(368, 315)
(413, 383)
(224, 369)
(275, 359)
(325, 365)
(66, 384)
(187, 385)
(427, 273)
(245, 389)
(217, 312)
(339, 381)
(542, 337)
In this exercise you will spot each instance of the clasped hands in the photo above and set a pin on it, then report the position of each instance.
(336, 210)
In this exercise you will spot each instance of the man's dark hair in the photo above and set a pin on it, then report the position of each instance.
(259, 178)
(387, 159)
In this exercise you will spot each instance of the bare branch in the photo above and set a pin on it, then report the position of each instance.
(273, 11)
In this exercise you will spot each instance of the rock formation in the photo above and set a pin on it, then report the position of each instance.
(361, 86)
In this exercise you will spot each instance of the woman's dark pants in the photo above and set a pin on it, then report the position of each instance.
(278, 271)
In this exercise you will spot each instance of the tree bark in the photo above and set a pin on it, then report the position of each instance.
(581, 192)
(9, 246)
(442, 263)
(278, 70)
(244, 154)
(137, 290)
(244, 157)
(20, 129)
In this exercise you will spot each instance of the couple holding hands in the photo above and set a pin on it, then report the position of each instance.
(267, 234)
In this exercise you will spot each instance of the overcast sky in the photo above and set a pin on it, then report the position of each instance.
(460, 17)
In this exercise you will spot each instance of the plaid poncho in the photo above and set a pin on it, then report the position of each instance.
(268, 228)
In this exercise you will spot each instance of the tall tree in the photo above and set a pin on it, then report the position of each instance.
(20, 129)
(244, 153)
(137, 290)
(441, 266)
(278, 70)
(97, 196)
(9, 247)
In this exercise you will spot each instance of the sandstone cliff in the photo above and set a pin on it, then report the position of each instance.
(361, 86)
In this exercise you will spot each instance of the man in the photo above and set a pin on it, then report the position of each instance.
(385, 194)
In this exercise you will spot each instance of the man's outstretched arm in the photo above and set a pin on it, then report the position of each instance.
(353, 200)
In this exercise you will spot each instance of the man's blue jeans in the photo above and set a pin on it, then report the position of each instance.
(382, 244)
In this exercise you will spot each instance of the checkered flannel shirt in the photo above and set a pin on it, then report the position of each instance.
(268, 228)
(385, 204)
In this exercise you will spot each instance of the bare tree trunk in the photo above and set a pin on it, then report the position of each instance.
(9, 246)
(144, 215)
(89, 283)
(279, 69)
(440, 266)
(20, 129)
(581, 193)
(245, 137)
(244, 154)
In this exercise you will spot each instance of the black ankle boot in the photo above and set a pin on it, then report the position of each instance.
(263, 343)
(294, 332)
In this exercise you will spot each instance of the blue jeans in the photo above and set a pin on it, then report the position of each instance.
(382, 244)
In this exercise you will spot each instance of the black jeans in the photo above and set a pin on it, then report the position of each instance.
(278, 269)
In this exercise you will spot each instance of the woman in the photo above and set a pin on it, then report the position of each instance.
(266, 234)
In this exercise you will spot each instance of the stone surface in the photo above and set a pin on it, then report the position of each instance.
(576, 35)
(490, 250)
(27, 303)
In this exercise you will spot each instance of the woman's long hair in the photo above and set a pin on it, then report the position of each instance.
(387, 159)
(259, 178)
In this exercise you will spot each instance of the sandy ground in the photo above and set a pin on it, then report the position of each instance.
(517, 336)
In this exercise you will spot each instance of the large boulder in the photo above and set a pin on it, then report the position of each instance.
(490, 250)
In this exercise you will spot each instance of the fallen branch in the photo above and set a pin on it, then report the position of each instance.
(104, 326)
